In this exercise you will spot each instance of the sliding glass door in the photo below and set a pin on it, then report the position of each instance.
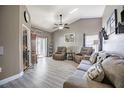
(41, 47)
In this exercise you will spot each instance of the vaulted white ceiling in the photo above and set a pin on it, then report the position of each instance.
(45, 16)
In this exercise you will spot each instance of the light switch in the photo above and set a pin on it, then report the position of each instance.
(1, 50)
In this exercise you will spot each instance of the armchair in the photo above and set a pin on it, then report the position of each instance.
(60, 54)
(84, 53)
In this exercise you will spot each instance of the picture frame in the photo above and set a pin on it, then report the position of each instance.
(111, 26)
(69, 37)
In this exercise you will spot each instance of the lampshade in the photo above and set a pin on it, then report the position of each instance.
(95, 42)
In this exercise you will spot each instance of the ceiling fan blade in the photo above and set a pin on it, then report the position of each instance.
(56, 24)
(67, 27)
(61, 25)
(66, 24)
(55, 27)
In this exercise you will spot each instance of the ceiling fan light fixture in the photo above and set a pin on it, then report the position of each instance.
(61, 27)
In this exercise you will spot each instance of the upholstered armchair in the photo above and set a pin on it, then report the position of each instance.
(60, 54)
(84, 54)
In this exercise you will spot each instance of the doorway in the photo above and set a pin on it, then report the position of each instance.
(26, 47)
(41, 47)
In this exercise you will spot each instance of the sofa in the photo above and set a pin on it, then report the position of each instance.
(112, 72)
(60, 54)
(85, 51)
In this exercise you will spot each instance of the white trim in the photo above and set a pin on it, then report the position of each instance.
(6, 80)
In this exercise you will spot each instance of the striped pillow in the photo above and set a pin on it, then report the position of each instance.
(96, 72)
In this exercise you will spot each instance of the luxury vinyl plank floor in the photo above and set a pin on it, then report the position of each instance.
(48, 73)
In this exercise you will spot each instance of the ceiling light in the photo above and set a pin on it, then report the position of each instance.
(61, 27)
(74, 10)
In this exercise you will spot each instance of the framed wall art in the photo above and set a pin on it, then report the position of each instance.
(70, 37)
(111, 26)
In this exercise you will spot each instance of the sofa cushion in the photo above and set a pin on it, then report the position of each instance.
(102, 56)
(96, 72)
(85, 62)
(114, 70)
(79, 73)
(84, 67)
(93, 58)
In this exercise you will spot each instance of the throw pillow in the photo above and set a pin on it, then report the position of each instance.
(95, 73)
(93, 58)
(102, 56)
(114, 70)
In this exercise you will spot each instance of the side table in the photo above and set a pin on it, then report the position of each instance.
(70, 55)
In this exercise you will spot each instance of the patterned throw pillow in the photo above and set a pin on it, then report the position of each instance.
(93, 58)
(95, 73)
(102, 56)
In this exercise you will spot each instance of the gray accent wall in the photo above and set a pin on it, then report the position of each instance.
(115, 42)
(89, 26)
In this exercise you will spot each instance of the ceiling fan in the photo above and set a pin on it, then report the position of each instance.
(61, 25)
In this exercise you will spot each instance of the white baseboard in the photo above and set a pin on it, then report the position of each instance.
(6, 80)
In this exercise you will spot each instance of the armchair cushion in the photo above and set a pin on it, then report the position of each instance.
(60, 54)
(84, 51)
(61, 49)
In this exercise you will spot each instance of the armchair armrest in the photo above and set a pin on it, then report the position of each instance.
(58, 52)
(79, 54)
(87, 57)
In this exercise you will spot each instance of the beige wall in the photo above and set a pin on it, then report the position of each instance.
(89, 26)
(114, 43)
(9, 31)
(11, 20)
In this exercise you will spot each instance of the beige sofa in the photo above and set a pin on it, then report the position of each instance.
(113, 67)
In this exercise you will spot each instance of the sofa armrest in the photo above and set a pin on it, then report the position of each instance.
(75, 82)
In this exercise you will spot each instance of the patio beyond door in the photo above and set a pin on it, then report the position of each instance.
(41, 47)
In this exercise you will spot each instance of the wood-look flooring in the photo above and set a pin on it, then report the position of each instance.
(48, 73)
